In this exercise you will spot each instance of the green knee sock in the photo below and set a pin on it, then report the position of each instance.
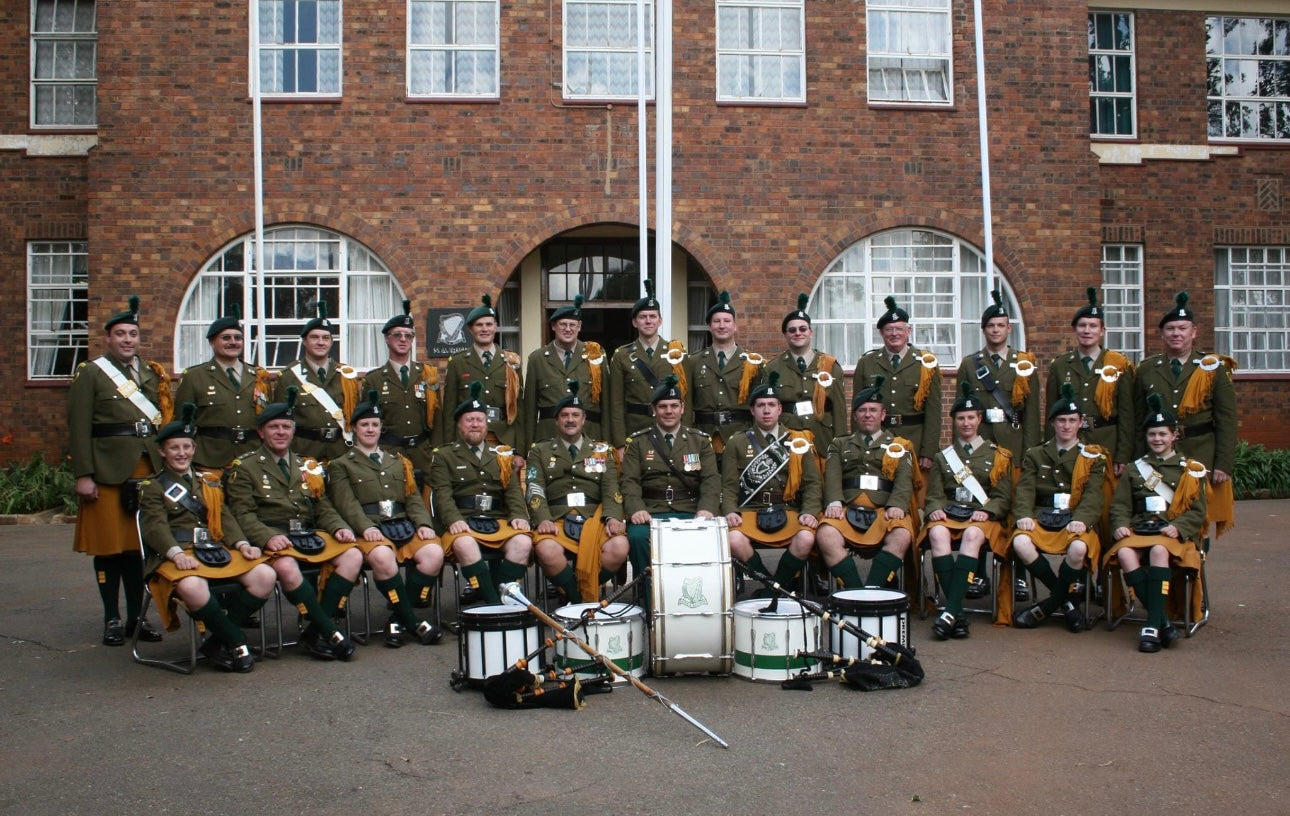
(506, 572)
(218, 624)
(132, 583)
(756, 563)
(480, 577)
(638, 547)
(419, 585)
(884, 569)
(787, 569)
(1157, 594)
(846, 572)
(568, 584)
(1067, 578)
(305, 597)
(397, 594)
(1044, 574)
(943, 567)
(335, 593)
(1136, 581)
(606, 575)
(107, 575)
(964, 567)
(242, 606)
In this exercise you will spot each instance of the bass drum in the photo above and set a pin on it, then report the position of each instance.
(883, 613)
(767, 642)
(616, 631)
(692, 593)
(492, 638)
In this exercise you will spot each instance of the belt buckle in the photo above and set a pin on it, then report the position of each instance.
(483, 502)
(295, 526)
(668, 494)
(386, 507)
(895, 419)
(722, 417)
(411, 441)
(143, 428)
(239, 435)
(765, 499)
(1085, 423)
(329, 434)
(201, 537)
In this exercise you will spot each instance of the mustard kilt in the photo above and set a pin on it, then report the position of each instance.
(163, 579)
(850, 459)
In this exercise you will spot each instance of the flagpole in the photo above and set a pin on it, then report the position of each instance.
(256, 283)
(983, 132)
(663, 164)
(642, 145)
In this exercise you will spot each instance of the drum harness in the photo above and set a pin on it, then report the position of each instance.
(964, 475)
(991, 385)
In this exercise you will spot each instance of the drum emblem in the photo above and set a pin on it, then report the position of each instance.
(692, 592)
(768, 642)
(615, 645)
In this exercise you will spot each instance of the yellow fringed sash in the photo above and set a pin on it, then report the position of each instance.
(1201, 383)
(1020, 384)
(678, 368)
(595, 361)
(312, 474)
(824, 366)
(504, 464)
(512, 385)
(1083, 467)
(263, 388)
(165, 399)
(350, 386)
(213, 498)
(929, 363)
(751, 368)
(1002, 465)
(409, 478)
(1188, 489)
(890, 462)
(795, 454)
(1104, 394)
(430, 376)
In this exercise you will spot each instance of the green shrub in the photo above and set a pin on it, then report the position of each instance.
(1261, 473)
(36, 485)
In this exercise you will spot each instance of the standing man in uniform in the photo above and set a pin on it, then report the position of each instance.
(328, 392)
(575, 504)
(114, 408)
(636, 371)
(811, 386)
(669, 471)
(721, 377)
(1197, 390)
(550, 369)
(228, 393)
(497, 371)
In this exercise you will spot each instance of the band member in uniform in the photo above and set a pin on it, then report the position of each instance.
(1057, 505)
(771, 489)
(497, 370)
(575, 504)
(194, 539)
(114, 408)
(550, 369)
(721, 377)
(869, 484)
(478, 499)
(969, 494)
(811, 386)
(636, 371)
(376, 493)
(327, 392)
(228, 393)
(669, 471)
(912, 397)
(279, 500)
(1158, 516)
(1103, 383)
(1197, 389)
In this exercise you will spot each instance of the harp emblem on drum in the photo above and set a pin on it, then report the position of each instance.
(769, 643)
(615, 645)
(692, 592)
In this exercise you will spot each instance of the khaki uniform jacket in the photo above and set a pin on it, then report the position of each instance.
(466, 367)
(262, 499)
(1028, 432)
(160, 518)
(310, 414)
(797, 388)
(1116, 432)
(354, 480)
(647, 474)
(546, 383)
(627, 400)
(717, 389)
(941, 484)
(1045, 472)
(1216, 449)
(403, 410)
(899, 387)
(849, 458)
(456, 473)
(223, 407)
(94, 400)
(740, 450)
(1126, 506)
(553, 475)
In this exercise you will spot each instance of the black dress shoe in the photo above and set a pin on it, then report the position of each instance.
(428, 633)
(393, 634)
(113, 633)
(218, 652)
(1149, 640)
(243, 662)
(978, 587)
(962, 629)
(1168, 634)
(315, 644)
(146, 632)
(1030, 617)
(1073, 616)
(943, 626)
(469, 595)
(341, 647)
(1020, 590)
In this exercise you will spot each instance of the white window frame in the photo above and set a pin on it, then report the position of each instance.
(1228, 103)
(583, 41)
(765, 45)
(57, 307)
(1105, 61)
(1252, 306)
(1122, 277)
(455, 48)
(938, 279)
(303, 264)
(50, 35)
(270, 47)
(899, 39)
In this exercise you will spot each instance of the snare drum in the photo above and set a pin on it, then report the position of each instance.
(492, 638)
(883, 613)
(692, 590)
(617, 632)
(766, 643)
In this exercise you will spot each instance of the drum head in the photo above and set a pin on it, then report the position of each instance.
(498, 617)
(753, 607)
(871, 600)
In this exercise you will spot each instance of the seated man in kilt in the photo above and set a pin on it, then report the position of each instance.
(376, 493)
(278, 498)
(771, 489)
(475, 491)
(1058, 503)
(1158, 509)
(969, 494)
(575, 504)
(194, 539)
(869, 483)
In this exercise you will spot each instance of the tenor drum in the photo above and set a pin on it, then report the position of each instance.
(692, 593)
(492, 638)
(617, 632)
(883, 613)
(767, 642)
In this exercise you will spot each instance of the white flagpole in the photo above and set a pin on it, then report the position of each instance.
(663, 165)
(257, 282)
(983, 131)
(642, 146)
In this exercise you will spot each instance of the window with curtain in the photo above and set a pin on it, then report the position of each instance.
(1122, 298)
(1248, 68)
(761, 52)
(64, 72)
(909, 51)
(300, 47)
(1251, 294)
(1110, 74)
(303, 266)
(57, 308)
(600, 45)
(939, 280)
(453, 48)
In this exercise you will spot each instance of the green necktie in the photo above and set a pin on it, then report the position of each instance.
(286, 472)
(188, 480)
(1088, 363)
(488, 359)
(568, 358)
(475, 450)
(868, 440)
(1176, 366)
(375, 457)
(895, 362)
(322, 373)
(668, 439)
(967, 449)
(996, 359)
(403, 375)
(573, 452)
(801, 364)
(649, 352)
(721, 361)
(232, 377)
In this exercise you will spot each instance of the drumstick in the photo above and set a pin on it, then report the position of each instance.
(513, 590)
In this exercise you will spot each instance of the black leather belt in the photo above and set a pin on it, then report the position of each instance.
(396, 509)
(1199, 429)
(667, 494)
(469, 504)
(1093, 423)
(328, 434)
(284, 525)
(227, 434)
(640, 408)
(765, 498)
(143, 428)
(790, 407)
(551, 411)
(396, 441)
(724, 417)
(896, 420)
(853, 483)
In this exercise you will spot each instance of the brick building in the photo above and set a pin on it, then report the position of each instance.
(442, 149)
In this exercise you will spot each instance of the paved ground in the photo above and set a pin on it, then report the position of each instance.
(1007, 722)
